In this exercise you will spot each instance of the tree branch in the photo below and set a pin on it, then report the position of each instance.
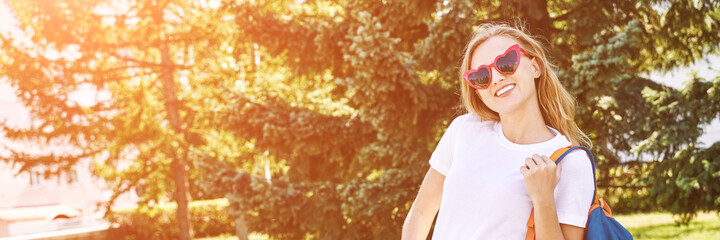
(572, 11)
(500, 19)
(148, 64)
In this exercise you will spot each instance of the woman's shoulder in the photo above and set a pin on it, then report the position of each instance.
(578, 159)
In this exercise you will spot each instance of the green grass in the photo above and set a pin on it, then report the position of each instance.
(662, 226)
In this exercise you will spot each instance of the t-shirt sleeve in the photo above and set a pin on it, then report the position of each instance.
(442, 157)
(574, 192)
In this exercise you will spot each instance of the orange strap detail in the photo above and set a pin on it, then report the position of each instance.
(605, 207)
(555, 155)
(531, 226)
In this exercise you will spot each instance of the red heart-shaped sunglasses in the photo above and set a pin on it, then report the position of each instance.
(507, 63)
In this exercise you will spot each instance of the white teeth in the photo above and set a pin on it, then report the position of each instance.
(504, 89)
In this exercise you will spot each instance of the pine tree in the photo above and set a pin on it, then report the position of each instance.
(149, 57)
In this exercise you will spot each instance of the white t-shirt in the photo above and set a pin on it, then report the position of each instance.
(484, 194)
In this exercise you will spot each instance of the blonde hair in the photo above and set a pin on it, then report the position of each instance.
(557, 105)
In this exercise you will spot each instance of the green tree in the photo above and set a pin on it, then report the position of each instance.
(149, 57)
(395, 65)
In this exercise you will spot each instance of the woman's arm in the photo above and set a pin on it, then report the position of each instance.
(419, 220)
(541, 177)
(547, 225)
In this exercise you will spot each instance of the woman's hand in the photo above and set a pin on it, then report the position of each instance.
(541, 176)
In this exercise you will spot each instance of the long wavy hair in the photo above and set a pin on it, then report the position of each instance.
(557, 105)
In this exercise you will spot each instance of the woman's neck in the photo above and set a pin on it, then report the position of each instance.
(525, 125)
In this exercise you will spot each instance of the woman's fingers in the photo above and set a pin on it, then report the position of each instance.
(530, 163)
(524, 171)
(548, 161)
(539, 161)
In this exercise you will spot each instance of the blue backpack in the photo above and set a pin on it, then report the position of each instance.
(600, 223)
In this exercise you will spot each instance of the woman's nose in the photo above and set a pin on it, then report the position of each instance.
(497, 75)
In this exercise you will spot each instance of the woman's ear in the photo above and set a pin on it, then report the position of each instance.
(536, 68)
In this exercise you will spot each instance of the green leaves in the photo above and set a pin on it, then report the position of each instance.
(331, 109)
(687, 183)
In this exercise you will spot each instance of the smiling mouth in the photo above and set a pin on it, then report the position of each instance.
(504, 90)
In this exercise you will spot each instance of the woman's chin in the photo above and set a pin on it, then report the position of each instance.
(506, 108)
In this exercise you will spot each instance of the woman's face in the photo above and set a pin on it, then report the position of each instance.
(521, 83)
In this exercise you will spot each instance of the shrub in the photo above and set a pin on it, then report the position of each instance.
(209, 218)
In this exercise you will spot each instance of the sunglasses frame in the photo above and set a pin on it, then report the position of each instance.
(515, 47)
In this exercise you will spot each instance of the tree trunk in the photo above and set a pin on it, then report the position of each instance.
(241, 229)
(182, 196)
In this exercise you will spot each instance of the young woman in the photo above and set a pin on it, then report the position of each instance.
(491, 167)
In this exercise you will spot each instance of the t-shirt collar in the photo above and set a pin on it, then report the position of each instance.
(558, 140)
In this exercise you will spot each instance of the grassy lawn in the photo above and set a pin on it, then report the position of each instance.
(662, 226)
(642, 226)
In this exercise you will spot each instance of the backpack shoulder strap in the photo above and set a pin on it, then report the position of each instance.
(556, 155)
(566, 151)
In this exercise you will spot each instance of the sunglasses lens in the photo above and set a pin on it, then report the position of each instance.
(507, 63)
(481, 78)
